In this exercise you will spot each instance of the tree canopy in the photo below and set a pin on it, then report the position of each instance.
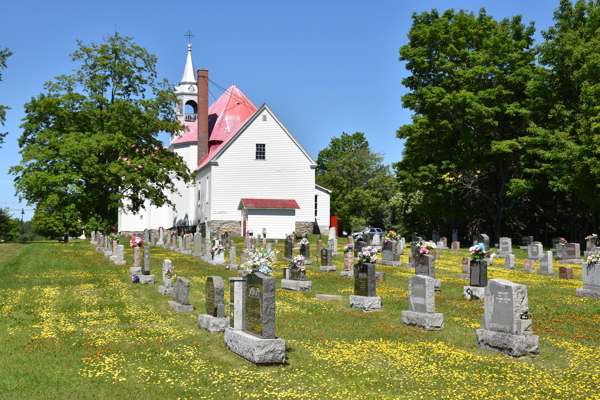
(90, 141)
(361, 184)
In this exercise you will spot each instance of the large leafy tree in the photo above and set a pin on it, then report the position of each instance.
(563, 147)
(361, 184)
(467, 90)
(90, 142)
(9, 226)
(4, 54)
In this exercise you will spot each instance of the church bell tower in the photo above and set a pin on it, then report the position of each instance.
(187, 91)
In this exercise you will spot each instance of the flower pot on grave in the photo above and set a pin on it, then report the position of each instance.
(296, 274)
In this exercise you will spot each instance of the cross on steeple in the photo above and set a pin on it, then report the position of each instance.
(189, 35)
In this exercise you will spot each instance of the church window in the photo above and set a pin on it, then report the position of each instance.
(260, 151)
(207, 191)
(316, 205)
(264, 117)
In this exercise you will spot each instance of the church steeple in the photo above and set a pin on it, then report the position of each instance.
(187, 91)
(189, 76)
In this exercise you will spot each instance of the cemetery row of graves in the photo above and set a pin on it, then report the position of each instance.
(372, 318)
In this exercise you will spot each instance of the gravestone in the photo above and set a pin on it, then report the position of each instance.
(440, 245)
(555, 241)
(350, 239)
(214, 319)
(400, 247)
(332, 246)
(146, 237)
(288, 249)
(244, 256)
(237, 291)
(560, 251)
(421, 304)
(333, 236)
(180, 302)
(207, 248)
(455, 235)
(120, 255)
(529, 265)
(478, 280)
(455, 247)
(506, 324)
(565, 272)
(505, 246)
(435, 236)
(425, 265)
(510, 261)
(167, 286)
(445, 240)
(572, 254)
(365, 288)
(390, 254)
(259, 306)
(546, 264)
(295, 279)
(319, 246)
(232, 257)
(147, 268)
(590, 274)
(348, 264)
(376, 240)
(246, 242)
(305, 251)
(466, 268)
(93, 241)
(358, 247)
(526, 240)
(326, 261)
(218, 258)
(483, 238)
(136, 269)
(256, 341)
(535, 251)
(161, 237)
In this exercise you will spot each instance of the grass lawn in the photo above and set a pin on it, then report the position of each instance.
(73, 326)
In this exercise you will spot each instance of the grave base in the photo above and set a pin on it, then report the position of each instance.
(113, 258)
(437, 285)
(329, 297)
(99, 248)
(523, 248)
(296, 286)
(147, 279)
(107, 253)
(425, 321)
(530, 270)
(477, 292)
(135, 271)
(364, 303)
(327, 268)
(178, 307)
(123, 262)
(594, 294)
(164, 290)
(255, 349)
(511, 345)
(213, 324)
(188, 252)
(347, 274)
(464, 276)
(389, 263)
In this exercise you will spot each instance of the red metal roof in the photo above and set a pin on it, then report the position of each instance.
(225, 117)
(269, 203)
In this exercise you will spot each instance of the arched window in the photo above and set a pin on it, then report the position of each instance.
(190, 110)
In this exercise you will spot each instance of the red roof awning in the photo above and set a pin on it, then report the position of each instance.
(268, 203)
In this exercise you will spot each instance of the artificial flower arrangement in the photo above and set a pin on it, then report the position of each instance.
(389, 235)
(563, 241)
(348, 248)
(261, 260)
(367, 255)
(136, 241)
(427, 247)
(593, 238)
(304, 242)
(113, 236)
(170, 274)
(298, 262)
(593, 258)
(135, 279)
(478, 252)
(216, 249)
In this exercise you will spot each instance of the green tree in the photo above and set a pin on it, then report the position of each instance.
(54, 224)
(361, 184)
(467, 90)
(563, 147)
(4, 54)
(9, 229)
(90, 143)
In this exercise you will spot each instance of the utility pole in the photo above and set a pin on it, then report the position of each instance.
(22, 230)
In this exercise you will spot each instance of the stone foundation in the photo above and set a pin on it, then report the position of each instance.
(296, 286)
(255, 349)
(364, 303)
(304, 227)
(511, 345)
(425, 321)
(234, 228)
(594, 294)
(213, 324)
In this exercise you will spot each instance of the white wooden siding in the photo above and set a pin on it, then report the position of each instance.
(202, 207)
(323, 209)
(184, 213)
(277, 222)
(285, 173)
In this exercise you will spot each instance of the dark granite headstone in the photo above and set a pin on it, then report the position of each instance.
(483, 238)
(147, 260)
(214, 292)
(259, 306)
(326, 257)
(365, 280)
(358, 247)
(296, 274)
(479, 276)
(289, 248)
(305, 250)
(572, 251)
(425, 265)
(526, 240)
(181, 291)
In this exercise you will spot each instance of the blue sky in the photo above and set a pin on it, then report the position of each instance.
(324, 67)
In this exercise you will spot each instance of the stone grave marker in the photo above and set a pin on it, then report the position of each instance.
(425, 265)
(526, 240)
(546, 263)
(197, 244)
(120, 255)
(466, 268)
(478, 280)
(259, 306)
(237, 292)
(529, 265)
(365, 288)
(572, 254)
(510, 261)
(246, 243)
(376, 240)
(167, 286)
(555, 241)
(483, 238)
(147, 268)
(289, 248)
(93, 241)
(207, 248)
(161, 237)
(505, 246)
(455, 235)
(180, 302)
(560, 251)
(590, 274)
(535, 251)
(350, 239)
(421, 304)
(565, 272)
(146, 237)
(214, 319)
(445, 240)
(440, 245)
(455, 247)
(232, 257)
(506, 323)
(326, 261)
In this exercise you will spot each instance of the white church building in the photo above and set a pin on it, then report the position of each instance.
(251, 172)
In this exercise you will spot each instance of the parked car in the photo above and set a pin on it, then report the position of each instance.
(372, 232)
